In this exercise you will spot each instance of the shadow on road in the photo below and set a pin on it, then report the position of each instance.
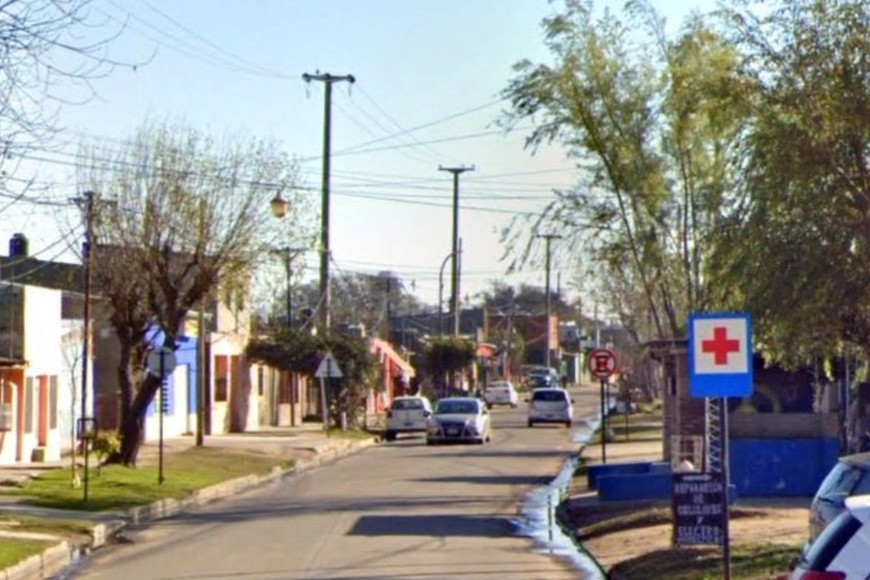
(440, 526)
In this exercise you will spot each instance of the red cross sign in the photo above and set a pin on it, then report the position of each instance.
(720, 355)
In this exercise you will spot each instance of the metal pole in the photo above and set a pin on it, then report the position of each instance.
(441, 293)
(161, 402)
(89, 221)
(603, 427)
(454, 280)
(200, 378)
(726, 471)
(325, 284)
(548, 238)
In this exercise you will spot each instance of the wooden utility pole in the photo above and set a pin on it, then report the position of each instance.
(325, 285)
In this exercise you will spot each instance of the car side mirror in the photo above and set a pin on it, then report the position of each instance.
(572, 401)
(427, 413)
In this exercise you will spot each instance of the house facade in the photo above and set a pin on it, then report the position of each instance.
(32, 383)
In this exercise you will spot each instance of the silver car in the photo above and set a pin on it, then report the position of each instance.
(459, 419)
(551, 405)
(407, 415)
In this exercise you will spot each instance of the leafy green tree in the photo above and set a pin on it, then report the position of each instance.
(179, 217)
(448, 355)
(797, 254)
(302, 352)
(655, 129)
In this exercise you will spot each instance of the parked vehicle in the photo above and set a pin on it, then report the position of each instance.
(407, 415)
(500, 393)
(459, 419)
(551, 405)
(841, 550)
(850, 476)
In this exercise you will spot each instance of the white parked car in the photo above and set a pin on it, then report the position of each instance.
(841, 550)
(551, 405)
(407, 415)
(459, 419)
(500, 393)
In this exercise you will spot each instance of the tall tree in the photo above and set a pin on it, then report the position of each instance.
(50, 52)
(799, 252)
(655, 129)
(180, 218)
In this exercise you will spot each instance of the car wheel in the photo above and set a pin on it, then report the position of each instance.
(513, 405)
(429, 442)
(390, 436)
(531, 424)
(568, 424)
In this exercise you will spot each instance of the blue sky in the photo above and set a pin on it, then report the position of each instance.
(428, 77)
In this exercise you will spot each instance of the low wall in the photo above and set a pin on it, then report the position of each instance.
(758, 468)
(781, 467)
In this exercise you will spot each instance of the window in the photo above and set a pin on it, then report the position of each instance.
(221, 378)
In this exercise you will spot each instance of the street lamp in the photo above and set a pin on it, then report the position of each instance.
(280, 207)
(548, 238)
(441, 294)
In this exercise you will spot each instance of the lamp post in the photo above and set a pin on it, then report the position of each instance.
(280, 207)
(441, 294)
(548, 238)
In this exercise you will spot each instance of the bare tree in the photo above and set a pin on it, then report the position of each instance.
(50, 52)
(189, 217)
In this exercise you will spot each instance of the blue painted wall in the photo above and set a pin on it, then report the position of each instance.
(759, 468)
(185, 354)
(781, 467)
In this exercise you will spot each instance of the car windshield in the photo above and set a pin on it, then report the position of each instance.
(548, 396)
(401, 404)
(461, 407)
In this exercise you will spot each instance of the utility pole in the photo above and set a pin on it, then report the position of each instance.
(454, 281)
(87, 201)
(325, 284)
(548, 238)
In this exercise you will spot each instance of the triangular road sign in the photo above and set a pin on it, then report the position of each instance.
(328, 368)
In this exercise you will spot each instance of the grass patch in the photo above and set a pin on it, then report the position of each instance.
(758, 561)
(352, 434)
(18, 522)
(118, 487)
(14, 550)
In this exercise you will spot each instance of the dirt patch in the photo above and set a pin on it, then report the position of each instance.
(622, 532)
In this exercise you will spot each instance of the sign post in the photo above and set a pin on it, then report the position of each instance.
(161, 363)
(720, 366)
(327, 369)
(602, 364)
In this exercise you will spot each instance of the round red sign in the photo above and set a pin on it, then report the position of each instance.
(602, 363)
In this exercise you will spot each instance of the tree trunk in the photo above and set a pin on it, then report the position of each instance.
(132, 430)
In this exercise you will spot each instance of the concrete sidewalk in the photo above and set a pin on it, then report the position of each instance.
(307, 444)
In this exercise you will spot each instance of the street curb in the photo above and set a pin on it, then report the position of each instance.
(62, 554)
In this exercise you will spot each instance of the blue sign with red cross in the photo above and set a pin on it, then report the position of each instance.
(720, 355)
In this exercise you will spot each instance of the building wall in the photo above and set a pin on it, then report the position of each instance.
(42, 394)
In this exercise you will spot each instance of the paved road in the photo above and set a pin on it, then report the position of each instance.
(399, 510)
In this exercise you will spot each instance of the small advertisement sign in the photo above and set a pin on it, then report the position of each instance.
(698, 508)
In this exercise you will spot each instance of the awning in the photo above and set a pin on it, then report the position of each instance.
(382, 349)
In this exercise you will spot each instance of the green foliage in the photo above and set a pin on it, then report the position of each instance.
(302, 352)
(797, 256)
(449, 354)
(654, 127)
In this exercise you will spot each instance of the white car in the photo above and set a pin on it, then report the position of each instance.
(459, 419)
(551, 405)
(407, 415)
(500, 393)
(841, 550)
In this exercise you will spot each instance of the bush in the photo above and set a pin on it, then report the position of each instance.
(104, 445)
